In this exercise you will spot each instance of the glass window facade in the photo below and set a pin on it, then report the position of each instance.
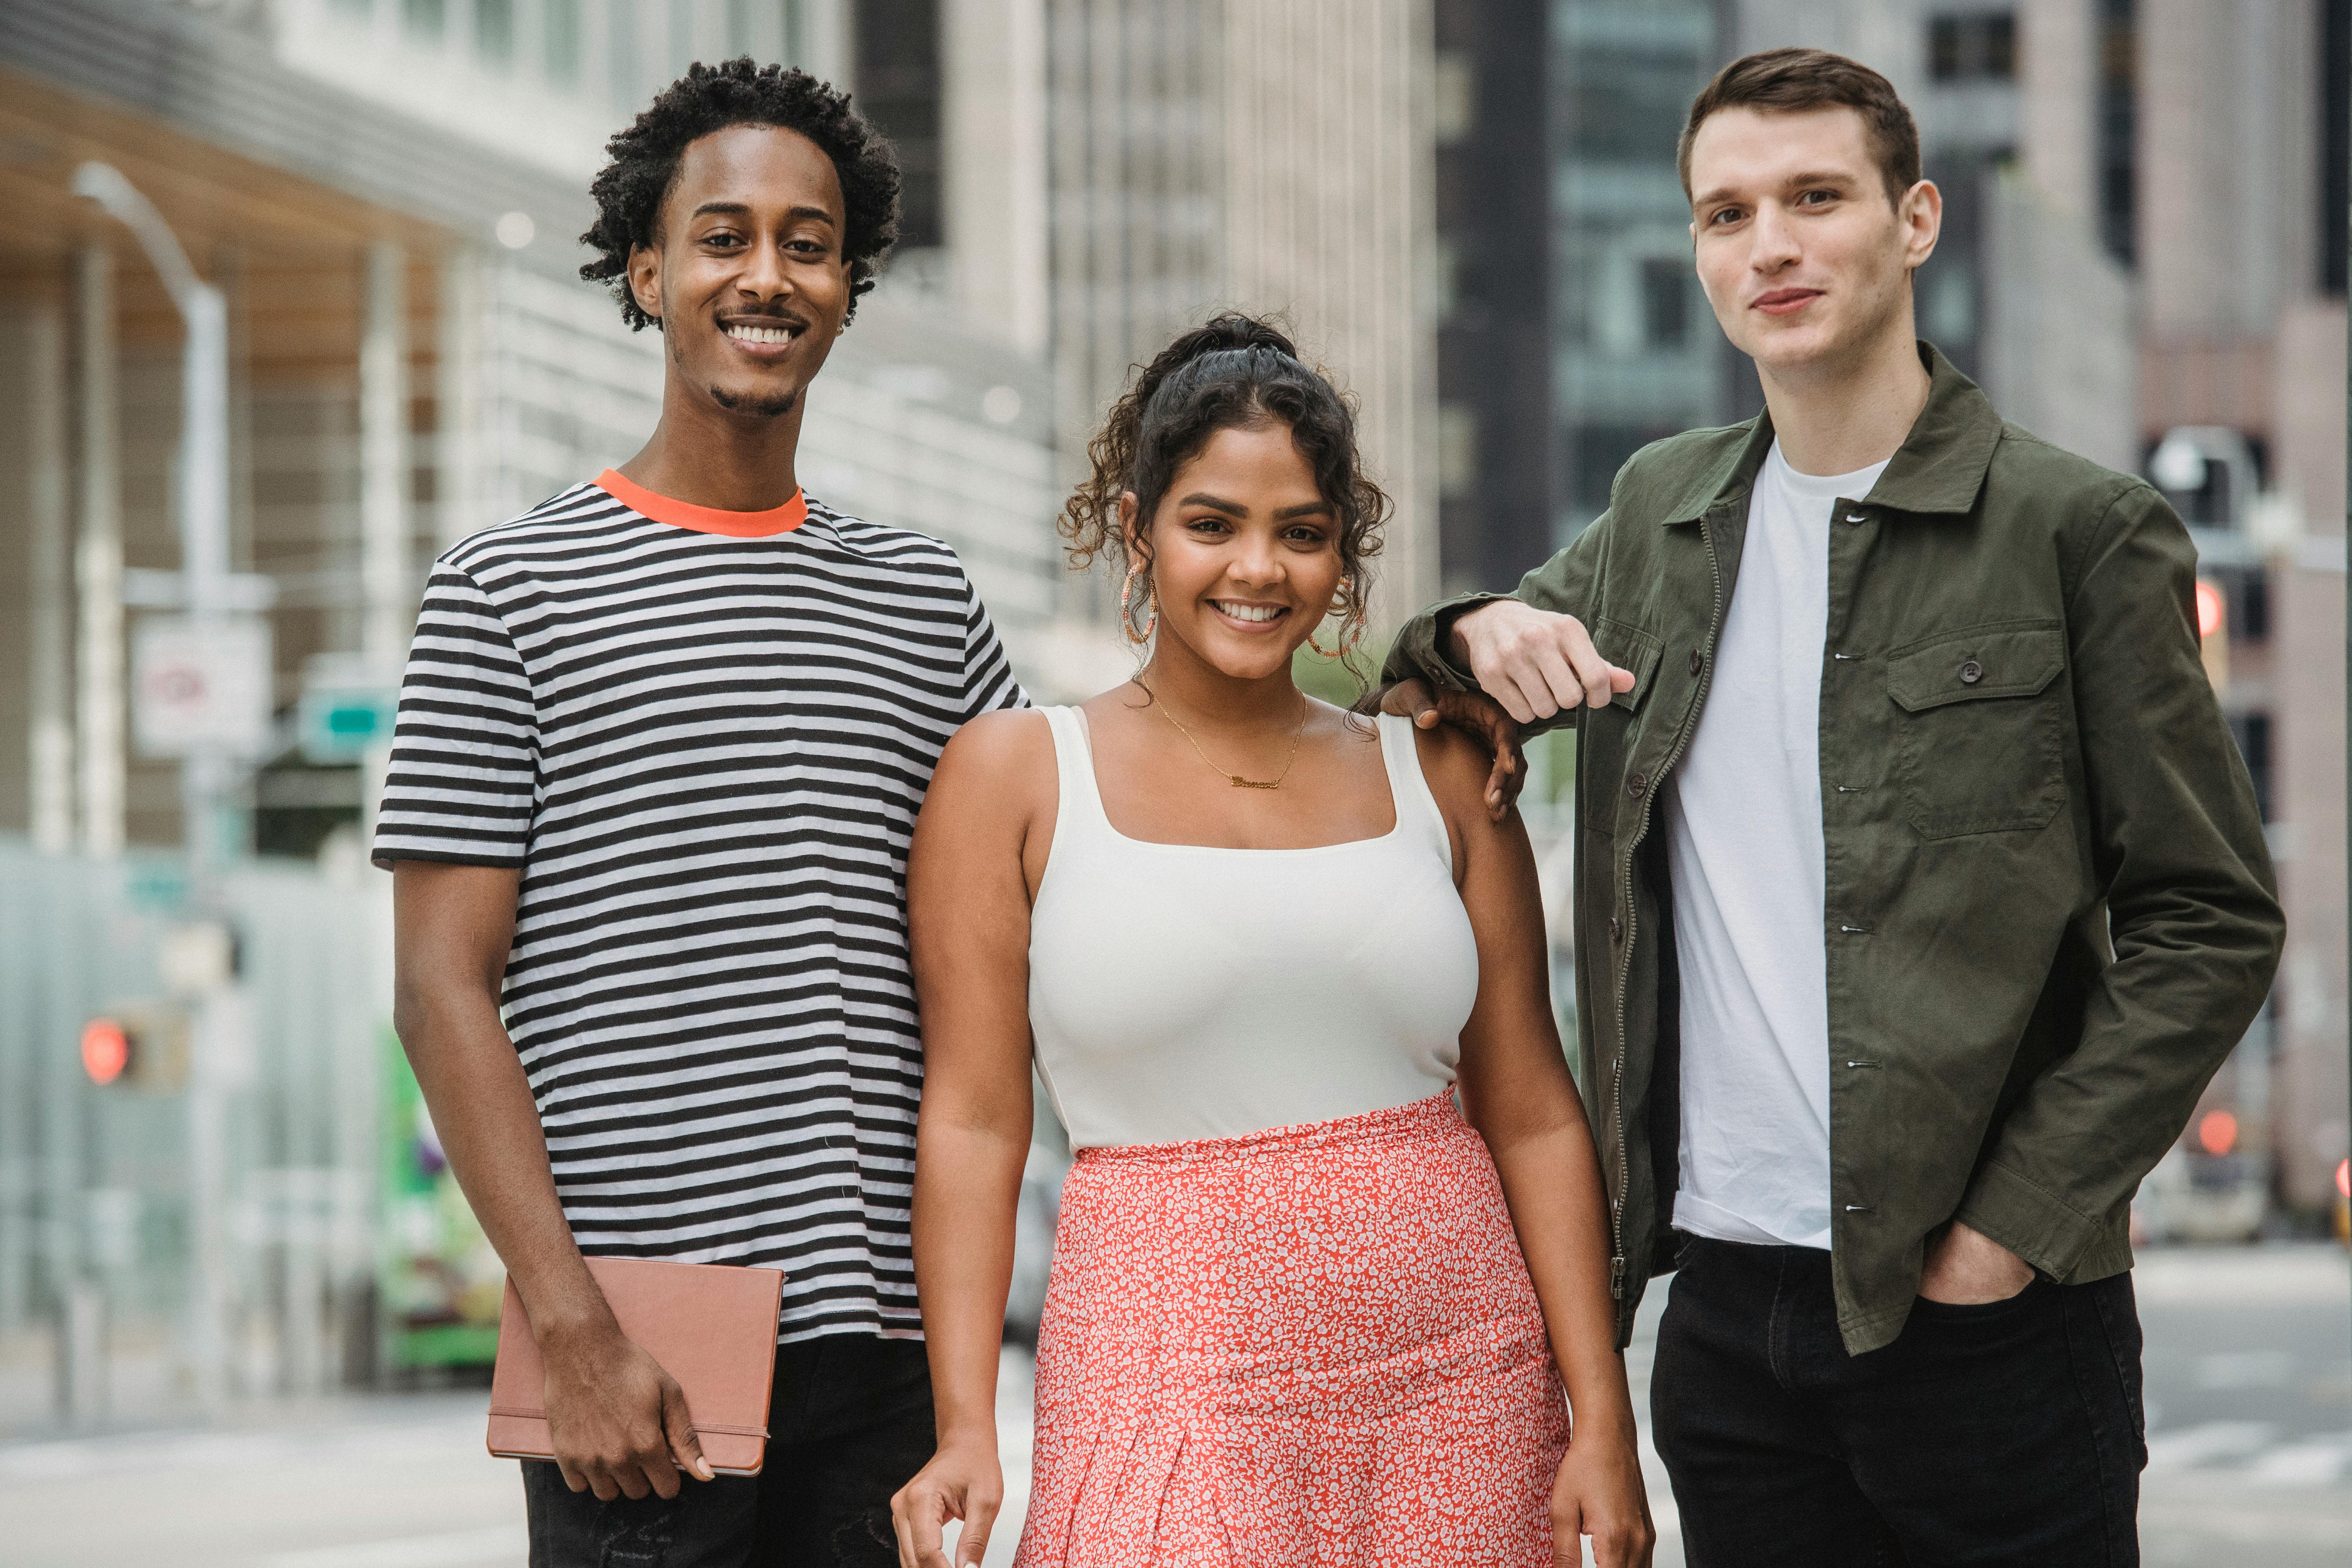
(1630, 362)
(898, 87)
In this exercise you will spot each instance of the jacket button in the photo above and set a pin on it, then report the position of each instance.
(1636, 784)
(1698, 662)
(1971, 672)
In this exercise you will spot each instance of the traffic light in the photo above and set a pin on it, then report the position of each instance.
(141, 1045)
(2214, 631)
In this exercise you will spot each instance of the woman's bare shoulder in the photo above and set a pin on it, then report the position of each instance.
(1005, 751)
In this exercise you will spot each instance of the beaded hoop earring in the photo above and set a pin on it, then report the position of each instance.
(1127, 607)
(1348, 639)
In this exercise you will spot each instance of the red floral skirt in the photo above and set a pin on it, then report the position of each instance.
(1314, 1345)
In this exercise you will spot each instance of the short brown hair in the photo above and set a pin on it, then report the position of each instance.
(1790, 81)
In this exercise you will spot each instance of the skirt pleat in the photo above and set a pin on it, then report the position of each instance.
(1317, 1345)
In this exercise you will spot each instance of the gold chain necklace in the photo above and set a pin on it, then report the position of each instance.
(1235, 779)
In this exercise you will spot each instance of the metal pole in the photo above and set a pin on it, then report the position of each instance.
(457, 396)
(207, 774)
(97, 561)
(50, 666)
(385, 619)
(201, 501)
(387, 614)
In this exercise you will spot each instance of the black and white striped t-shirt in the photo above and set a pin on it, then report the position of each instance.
(706, 752)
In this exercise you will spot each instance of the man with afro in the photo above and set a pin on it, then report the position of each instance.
(662, 740)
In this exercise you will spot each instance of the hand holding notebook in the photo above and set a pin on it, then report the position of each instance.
(708, 1330)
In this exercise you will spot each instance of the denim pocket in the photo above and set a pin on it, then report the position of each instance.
(1981, 1311)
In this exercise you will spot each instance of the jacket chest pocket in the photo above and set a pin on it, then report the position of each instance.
(1981, 733)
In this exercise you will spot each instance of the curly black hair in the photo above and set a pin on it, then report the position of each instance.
(631, 189)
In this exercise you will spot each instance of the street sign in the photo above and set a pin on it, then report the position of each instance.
(341, 725)
(195, 685)
(343, 713)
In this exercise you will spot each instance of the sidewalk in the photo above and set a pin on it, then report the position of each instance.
(385, 1482)
(2250, 1412)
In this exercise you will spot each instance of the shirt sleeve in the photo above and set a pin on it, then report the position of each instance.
(464, 750)
(989, 682)
(1565, 585)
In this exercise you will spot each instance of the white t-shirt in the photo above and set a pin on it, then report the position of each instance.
(1747, 857)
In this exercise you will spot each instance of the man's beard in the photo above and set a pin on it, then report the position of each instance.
(764, 407)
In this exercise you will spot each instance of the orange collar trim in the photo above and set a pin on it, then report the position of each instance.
(706, 518)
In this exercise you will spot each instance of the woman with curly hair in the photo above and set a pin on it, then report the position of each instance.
(1306, 1307)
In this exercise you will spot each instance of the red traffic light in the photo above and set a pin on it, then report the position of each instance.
(2213, 610)
(105, 1050)
(2217, 1133)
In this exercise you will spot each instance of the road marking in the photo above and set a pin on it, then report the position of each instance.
(2203, 1518)
(146, 1453)
(2204, 1443)
(2244, 1369)
(458, 1549)
(2312, 1462)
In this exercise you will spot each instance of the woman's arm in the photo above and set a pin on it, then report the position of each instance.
(1517, 1091)
(987, 816)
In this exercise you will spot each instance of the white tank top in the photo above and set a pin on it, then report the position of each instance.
(1184, 990)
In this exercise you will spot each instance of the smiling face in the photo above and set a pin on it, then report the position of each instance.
(1244, 552)
(1806, 262)
(748, 280)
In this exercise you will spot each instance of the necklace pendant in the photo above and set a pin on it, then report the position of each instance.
(1241, 782)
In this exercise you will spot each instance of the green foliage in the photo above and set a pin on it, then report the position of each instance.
(1331, 679)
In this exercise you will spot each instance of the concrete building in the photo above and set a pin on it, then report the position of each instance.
(2145, 236)
(1270, 155)
(388, 192)
(385, 192)
(2242, 232)
(2234, 196)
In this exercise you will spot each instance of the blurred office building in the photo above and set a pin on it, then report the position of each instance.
(215, 1178)
(2143, 261)
(1267, 155)
(1635, 352)
(229, 1188)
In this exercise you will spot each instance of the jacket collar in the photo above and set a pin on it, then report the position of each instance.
(1939, 468)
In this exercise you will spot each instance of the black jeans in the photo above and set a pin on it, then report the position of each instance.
(850, 1423)
(2006, 1434)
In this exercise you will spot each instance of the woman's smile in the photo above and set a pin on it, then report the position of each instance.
(1245, 615)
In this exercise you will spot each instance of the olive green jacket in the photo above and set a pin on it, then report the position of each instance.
(2050, 913)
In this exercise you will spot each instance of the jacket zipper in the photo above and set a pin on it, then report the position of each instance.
(1625, 960)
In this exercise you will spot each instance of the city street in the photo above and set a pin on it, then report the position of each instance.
(2249, 1415)
(370, 513)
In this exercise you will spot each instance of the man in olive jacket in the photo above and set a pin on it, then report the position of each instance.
(1919, 887)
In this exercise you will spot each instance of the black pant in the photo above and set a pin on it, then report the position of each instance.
(850, 1423)
(2006, 1434)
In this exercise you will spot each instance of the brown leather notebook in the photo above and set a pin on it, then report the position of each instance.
(711, 1326)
